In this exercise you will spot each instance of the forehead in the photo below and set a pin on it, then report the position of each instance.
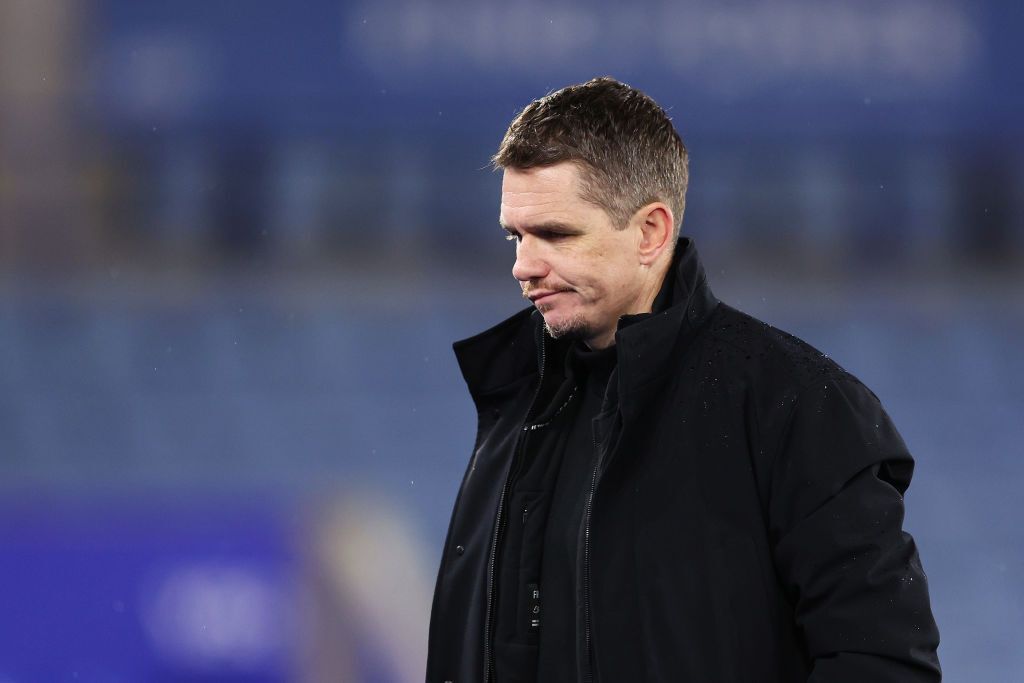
(541, 194)
(562, 177)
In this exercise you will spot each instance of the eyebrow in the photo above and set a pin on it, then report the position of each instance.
(549, 226)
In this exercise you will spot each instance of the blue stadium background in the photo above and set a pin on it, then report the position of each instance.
(238, 238)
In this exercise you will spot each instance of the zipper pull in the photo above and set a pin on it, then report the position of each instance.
(526, 511)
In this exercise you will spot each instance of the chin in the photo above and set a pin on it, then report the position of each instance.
(567, 327)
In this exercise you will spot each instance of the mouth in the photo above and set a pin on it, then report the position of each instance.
(539, 297)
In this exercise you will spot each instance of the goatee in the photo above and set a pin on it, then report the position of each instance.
(574, 328)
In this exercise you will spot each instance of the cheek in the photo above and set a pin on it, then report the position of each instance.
(595, 272)
(591, 271)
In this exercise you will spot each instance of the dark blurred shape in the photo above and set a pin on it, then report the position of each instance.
(989, 207)
(43, 189)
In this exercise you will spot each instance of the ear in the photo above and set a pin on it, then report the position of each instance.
(656, 224)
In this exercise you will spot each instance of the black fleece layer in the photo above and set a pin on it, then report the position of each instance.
(539, 559)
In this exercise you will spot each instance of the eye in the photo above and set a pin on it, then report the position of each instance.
(512, 237)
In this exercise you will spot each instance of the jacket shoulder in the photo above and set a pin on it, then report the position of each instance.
(773, 354)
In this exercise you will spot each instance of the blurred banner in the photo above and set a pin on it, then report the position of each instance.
(238, 238)
(220, 128)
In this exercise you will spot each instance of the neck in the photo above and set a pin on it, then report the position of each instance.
(650, 286)
(600, 342)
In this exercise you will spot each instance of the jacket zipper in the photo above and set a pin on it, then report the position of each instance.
(488, 626)
(498, 523)
(589, 663)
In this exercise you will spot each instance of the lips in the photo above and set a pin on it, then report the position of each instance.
(540, 298)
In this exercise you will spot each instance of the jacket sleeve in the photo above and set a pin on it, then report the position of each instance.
(835, 517)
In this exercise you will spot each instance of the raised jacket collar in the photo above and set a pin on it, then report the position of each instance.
(508, 352)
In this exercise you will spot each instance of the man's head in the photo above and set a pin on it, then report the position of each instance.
(628, 152)
(593, 193)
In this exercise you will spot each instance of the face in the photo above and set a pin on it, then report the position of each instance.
(579, 271)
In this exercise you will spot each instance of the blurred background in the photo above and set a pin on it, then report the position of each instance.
(238, 238)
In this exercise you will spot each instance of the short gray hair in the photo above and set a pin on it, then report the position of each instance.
(628, 151)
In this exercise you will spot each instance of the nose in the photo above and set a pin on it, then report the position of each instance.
(529, 265)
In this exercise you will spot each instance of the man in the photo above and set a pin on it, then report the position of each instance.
(662, 488)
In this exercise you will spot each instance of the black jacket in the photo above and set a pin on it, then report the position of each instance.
(746, 518)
